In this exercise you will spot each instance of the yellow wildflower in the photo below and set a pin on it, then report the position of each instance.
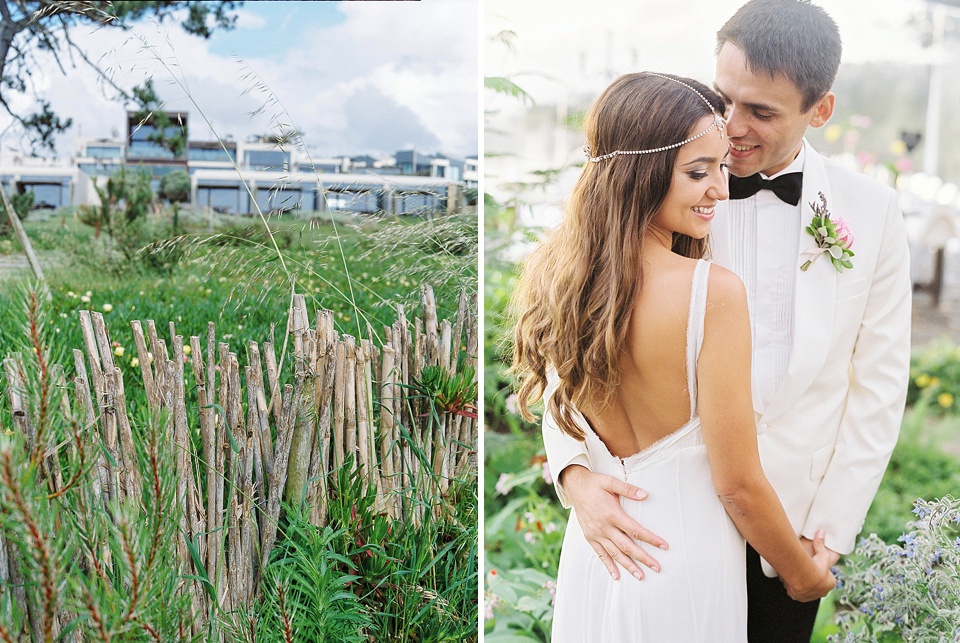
(833, 133)
(945, 400)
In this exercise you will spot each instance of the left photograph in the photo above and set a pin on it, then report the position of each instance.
(239, 321)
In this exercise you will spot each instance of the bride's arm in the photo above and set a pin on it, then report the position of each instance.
(729, 427)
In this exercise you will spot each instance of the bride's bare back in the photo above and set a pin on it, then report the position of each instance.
(651, 400)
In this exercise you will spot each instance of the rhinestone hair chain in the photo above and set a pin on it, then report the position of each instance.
(718, 123)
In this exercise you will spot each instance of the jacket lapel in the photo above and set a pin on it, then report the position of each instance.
(815, 298)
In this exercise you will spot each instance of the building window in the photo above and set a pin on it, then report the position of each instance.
(283, 199)
(211, 154)
(103, 152)
(418, 202)
(225, 200)
(267, 160)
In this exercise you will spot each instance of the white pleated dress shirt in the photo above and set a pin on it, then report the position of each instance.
(764, 236)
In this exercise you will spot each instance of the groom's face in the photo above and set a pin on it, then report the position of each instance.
(765, 122)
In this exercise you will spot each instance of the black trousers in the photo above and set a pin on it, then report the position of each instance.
(772, 616)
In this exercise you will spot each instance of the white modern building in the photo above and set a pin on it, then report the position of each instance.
(247, 177)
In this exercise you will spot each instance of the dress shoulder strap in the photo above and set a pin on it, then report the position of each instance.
(698, 308)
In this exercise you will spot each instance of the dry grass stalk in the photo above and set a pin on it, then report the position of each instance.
(323, 397)
(273, 379)
(305, 426)
(431, 327)
(388, 444)
(262, 442)
(339, 415)
(350, 400)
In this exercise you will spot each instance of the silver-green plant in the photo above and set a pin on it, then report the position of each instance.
(909, 590)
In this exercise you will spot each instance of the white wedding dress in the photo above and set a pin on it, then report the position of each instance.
(700, 594)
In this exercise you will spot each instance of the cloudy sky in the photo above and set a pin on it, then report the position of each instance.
(354, 77)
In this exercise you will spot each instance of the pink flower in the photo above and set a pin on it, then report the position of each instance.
(545, 473)
(903, 164)
(551, 586)
(865, 158)
(844, 235)
(489, 606)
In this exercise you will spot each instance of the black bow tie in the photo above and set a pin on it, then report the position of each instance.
(787, 187)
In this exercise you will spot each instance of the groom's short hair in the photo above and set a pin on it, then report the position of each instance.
(790, 37)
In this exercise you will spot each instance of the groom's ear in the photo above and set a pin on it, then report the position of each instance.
(823, 110)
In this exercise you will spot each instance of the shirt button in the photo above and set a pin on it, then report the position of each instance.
(761, 427)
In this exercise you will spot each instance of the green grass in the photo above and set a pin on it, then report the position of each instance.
(411, 583)
(360, 269)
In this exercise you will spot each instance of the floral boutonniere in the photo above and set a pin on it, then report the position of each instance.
(833, 237)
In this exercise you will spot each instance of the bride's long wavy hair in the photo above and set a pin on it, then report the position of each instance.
(576, 292)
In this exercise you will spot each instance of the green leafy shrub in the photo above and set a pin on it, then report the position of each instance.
(306, 591)
(917, 469)
(21, 203)
(523, 531)
(175, 187)
(935, 372)
(419, 581)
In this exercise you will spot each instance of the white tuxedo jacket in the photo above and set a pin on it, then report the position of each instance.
(827, 435)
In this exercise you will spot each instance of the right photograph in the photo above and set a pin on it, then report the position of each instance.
(722, 307)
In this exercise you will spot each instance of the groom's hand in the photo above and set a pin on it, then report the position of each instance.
(832, 556)
(606, 526)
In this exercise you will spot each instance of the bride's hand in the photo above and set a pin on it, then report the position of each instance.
(606, 526)
(824, 559)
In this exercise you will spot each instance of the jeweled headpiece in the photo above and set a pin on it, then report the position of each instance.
(718, 123)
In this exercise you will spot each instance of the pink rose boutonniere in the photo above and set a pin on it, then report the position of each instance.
(832, 235)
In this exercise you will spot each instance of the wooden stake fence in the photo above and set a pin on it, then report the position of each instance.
(265, 437)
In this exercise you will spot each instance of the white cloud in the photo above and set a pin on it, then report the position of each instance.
(248, 20)
(419, 57)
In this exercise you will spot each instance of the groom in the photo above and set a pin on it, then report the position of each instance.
(831, 347)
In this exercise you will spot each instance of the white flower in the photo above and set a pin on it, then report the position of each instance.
(503, 486)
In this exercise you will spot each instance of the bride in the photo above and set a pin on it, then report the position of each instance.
(641, 348)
